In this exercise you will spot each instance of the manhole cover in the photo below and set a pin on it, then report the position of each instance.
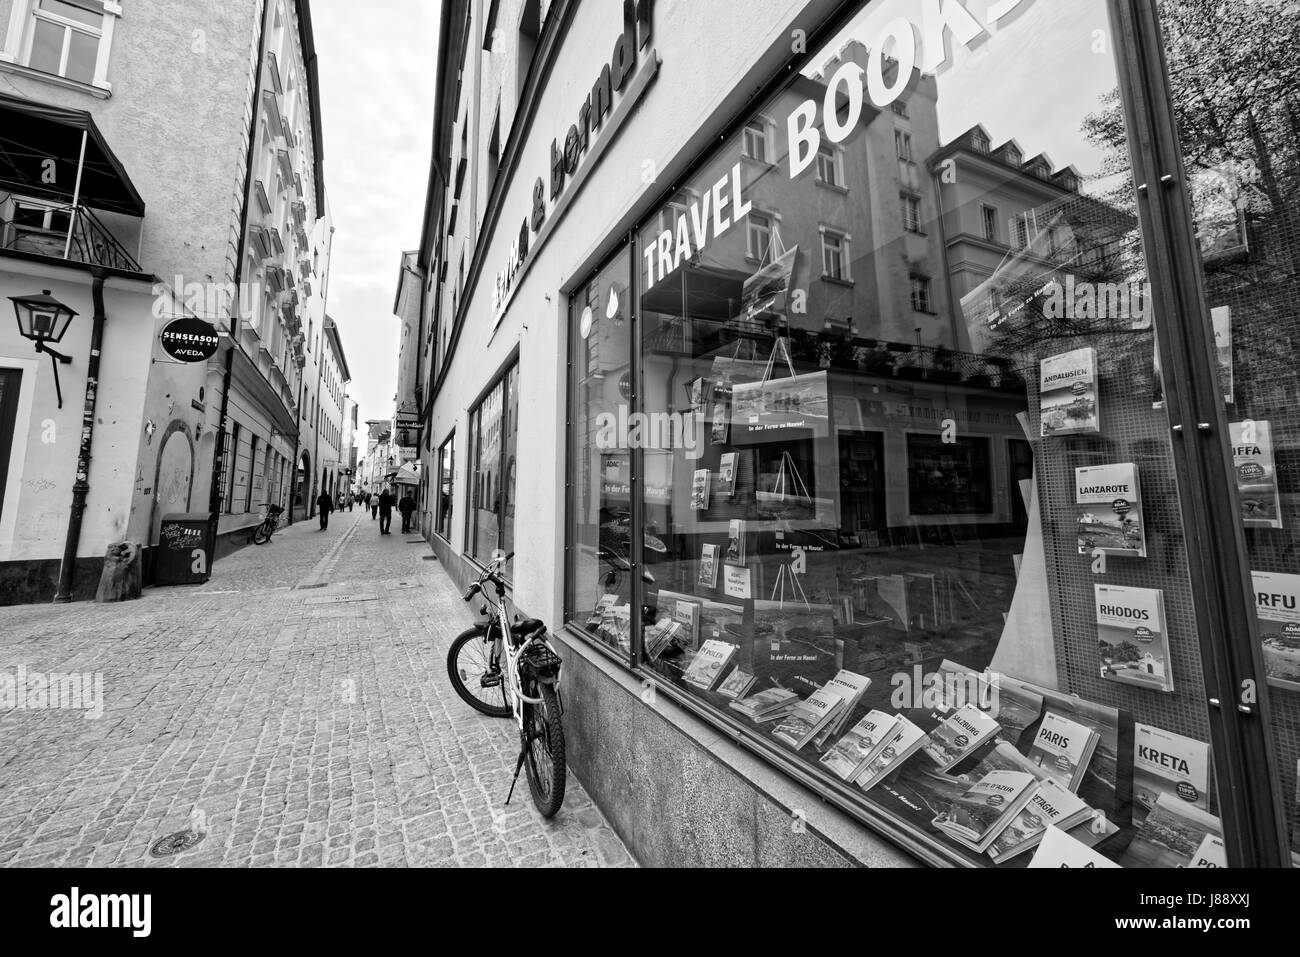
(175, 843)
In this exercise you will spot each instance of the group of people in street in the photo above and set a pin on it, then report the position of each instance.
(380, 505)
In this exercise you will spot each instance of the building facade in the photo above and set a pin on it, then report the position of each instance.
(901, 395)
(233, 239)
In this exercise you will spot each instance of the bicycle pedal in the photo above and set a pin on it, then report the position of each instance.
(490, 681)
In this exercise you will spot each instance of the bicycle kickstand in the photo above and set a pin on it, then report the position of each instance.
(519, 765)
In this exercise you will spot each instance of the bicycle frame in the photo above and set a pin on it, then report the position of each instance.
(504, 648)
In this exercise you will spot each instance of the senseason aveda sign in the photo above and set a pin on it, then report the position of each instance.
(901, 47)
(597, 119)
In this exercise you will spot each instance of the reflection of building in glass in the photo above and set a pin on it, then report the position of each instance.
(1029, 255)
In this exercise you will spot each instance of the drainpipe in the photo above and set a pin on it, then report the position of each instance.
(220, 454)
(81, 487)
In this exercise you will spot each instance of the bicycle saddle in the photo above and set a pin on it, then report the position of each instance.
(527, 626)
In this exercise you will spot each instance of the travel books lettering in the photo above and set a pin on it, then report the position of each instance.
(861, 745)
(1051, 806)
(708, 576)
(808, 717)
(1256, 473)
(1063, 748)
(979, 815)
(1132, 639)
(1169, 763)
(1171, 835)
(1068, 393)
(766, 704)
(1211, 853)
(1110, 510)
(687, 614)
(706, 668)
(1277, 609)
(727, 474)
(737, 684)
(735, 554)
(700, 484)
(1058, 849)
(905, 740)
(959, 736)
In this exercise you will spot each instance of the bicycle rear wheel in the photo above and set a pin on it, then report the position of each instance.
(544, 760)
(468, 660)
(263, 533)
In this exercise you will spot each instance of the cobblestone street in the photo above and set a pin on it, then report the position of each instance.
(296, 708)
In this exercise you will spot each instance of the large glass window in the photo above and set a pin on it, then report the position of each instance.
(493, 439)
(917, 529)
(600, 556)
(446, 486)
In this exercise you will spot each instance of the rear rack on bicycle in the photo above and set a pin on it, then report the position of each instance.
(541, 661)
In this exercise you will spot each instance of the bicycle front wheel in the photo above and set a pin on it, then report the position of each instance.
(468, 661)
(544, 760)
(263, 533)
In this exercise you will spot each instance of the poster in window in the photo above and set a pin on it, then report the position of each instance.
(779, 410)
(794, 644)
(767, 291)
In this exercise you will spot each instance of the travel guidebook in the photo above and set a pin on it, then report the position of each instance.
(863, 743)
(1051, 806)
(1058, 849)
(1110, 510)
(1132, 640)
(708, 576)
(977, 817)
(709, 663)
(1062, 748)
(737, 684)
(850, 686)
(1171, 835)
(959, 736)
(808, 717)
(727, 474)
(1277, 609)
(1169, 763)
(904, 741)
(1068, 393)
(700, 484)
(1256, 473)
(766, 705)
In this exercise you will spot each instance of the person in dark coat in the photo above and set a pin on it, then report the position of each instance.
(386, 501)
(324, 505)
(406, 505)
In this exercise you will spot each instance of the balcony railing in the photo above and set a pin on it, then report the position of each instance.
(85, 240)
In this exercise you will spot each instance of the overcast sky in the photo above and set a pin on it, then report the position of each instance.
(376, 64)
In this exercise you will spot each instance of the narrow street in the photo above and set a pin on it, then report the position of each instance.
(295, 710)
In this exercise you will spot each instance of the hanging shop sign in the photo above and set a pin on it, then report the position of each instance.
(596, 117)
(189, 339)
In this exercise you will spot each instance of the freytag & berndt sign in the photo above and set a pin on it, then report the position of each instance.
(189, 339)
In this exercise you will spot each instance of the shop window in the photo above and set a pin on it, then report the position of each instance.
(493, 441)
(804, 508)
(446, 486)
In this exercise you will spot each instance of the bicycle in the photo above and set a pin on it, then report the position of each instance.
(262, 534)
(517, 678)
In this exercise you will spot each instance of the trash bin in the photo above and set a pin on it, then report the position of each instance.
(184, 550)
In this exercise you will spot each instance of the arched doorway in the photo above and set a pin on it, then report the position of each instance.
(173, 476)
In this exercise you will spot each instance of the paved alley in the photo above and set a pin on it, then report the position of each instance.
(295, 711)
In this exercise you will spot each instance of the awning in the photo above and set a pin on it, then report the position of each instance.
(407, 475)
(31, 133)
(701, 292)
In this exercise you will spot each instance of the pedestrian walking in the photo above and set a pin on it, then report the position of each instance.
(385, 505)
(351, 499)
(407, 507)
(324, 505)
(374, 506)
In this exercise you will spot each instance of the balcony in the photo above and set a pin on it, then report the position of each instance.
(70, 233)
